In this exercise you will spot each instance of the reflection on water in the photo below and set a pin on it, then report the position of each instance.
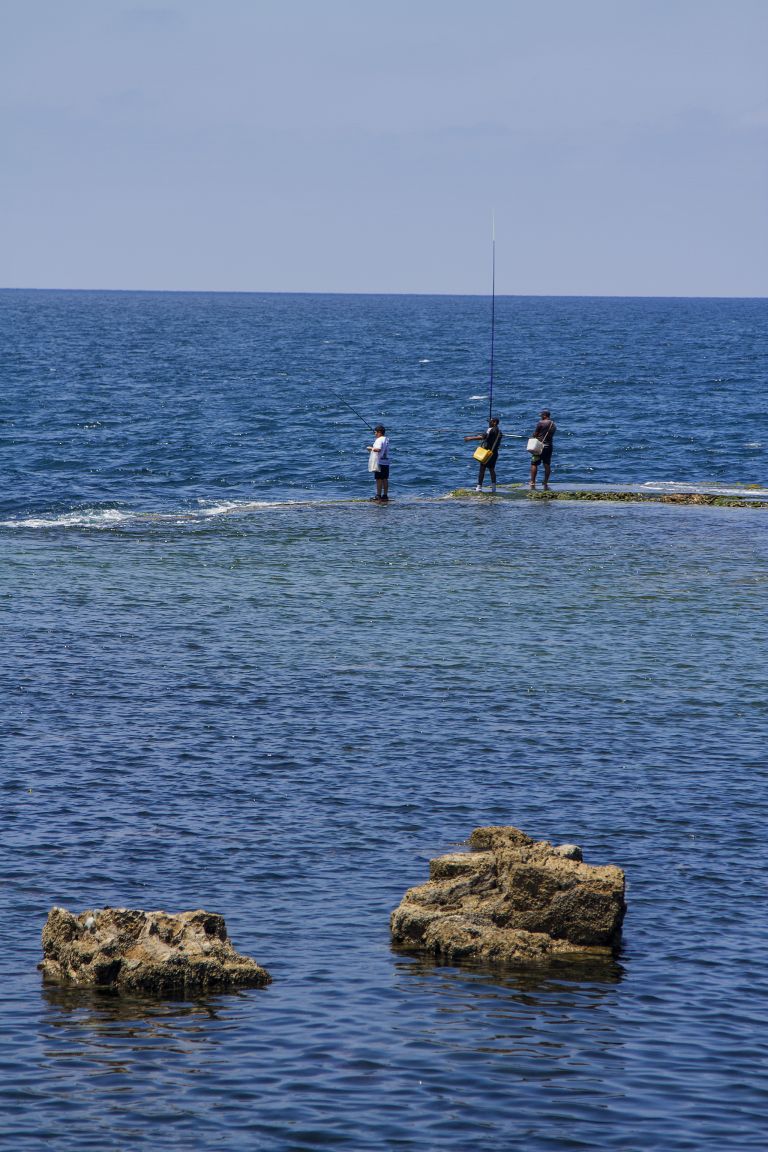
(99, 1008)
(101, 1030)
(509, 1012)
(522, 978)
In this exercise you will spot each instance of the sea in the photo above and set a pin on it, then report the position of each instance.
(231, 681)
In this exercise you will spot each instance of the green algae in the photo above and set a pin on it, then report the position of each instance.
(707, 499)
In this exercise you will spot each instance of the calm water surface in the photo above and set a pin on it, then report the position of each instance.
(214, 697)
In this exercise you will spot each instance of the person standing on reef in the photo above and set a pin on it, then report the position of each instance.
(545, 433)
(491, 440)
(378, 462)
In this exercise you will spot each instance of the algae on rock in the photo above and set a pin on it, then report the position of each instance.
(512, 899)
(129, 950)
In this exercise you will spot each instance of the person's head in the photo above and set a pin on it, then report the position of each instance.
(494, 421)
(544, 413)
(379, 429)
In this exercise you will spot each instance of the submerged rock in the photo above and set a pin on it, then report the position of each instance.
(714, 499)
(512, 899)
(148, 952)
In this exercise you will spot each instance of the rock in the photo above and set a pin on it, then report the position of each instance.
(145, 952)
(717, 500)
(569, 851)
(512, 899)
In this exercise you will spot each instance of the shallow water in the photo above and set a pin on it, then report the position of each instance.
(281, 712)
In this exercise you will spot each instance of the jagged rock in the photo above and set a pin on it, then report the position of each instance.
(148, 952)
(512, 899)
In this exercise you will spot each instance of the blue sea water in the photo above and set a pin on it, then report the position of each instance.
(229, 681)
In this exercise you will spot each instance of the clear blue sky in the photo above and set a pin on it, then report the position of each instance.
(361, 145)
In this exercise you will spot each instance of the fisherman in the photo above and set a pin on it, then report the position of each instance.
(491, 440)
(378, 462)
(545, 433)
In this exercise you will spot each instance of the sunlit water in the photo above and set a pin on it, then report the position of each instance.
(216, 697)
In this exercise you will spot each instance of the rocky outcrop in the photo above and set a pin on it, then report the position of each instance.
(512, 899)
(148, 952)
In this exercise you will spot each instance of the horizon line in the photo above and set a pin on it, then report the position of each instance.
(447, 295)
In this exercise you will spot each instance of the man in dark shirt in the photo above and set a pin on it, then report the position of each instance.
(545, 432)
(492, 441)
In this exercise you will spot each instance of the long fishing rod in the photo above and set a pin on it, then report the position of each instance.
(370, 426)
(346, 405)
(406, 452)
(493, 309)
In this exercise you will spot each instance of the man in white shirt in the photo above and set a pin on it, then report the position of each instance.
(378, 462)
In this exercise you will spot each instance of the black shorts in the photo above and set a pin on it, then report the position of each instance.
(545, 458)
(383, 471)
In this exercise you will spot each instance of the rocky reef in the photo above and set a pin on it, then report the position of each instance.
(512, 899)
(152, 953)
(710, 499)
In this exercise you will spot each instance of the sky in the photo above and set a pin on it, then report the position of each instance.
(366, 145)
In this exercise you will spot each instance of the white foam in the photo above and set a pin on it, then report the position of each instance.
(110, 517)
(659, 485)
(228, 507)
(220, 509)
(715, 487)
(479, 397)
(103, 518)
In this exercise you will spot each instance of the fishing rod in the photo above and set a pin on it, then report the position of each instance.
(493, 328)
(412, 453)
(493, 309)
(346, 405)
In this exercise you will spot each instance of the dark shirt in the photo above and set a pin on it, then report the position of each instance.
(492, 440)
(545, 431)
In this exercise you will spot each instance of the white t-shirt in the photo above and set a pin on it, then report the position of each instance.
(381, 456)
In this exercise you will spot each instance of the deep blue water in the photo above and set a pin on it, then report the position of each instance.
(226, 685)
(159, 400)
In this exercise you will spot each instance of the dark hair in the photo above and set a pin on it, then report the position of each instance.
(544, 412)
(379, 428)
(494, 420)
